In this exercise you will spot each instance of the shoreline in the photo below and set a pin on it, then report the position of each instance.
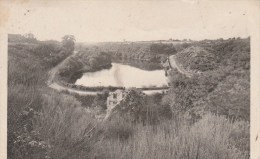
(60, 88)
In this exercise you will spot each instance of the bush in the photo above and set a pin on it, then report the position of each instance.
(166, 49)
(197, 59)
(74, 66)
(26, 77)
(27, 74)
(64, 124)
(230, 98)
(51, 54)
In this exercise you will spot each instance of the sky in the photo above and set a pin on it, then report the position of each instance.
(99, 21)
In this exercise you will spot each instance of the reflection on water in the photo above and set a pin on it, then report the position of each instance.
(124, 75)
(140, 64)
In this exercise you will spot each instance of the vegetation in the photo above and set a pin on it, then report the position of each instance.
(205, 116)
(212, 137)
(85, 61)
(167, 49)
(224, 89)
(68, 41)
(196, 59)
(17, 38)
(51, 54)
(30, 103)
(150, 52)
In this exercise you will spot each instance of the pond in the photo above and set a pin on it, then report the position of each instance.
(124, 75)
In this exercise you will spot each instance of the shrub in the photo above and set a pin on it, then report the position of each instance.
(27, 73)
(197, 59)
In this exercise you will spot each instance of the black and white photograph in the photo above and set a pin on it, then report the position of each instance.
(129, 79)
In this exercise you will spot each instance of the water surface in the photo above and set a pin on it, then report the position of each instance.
(123, 75)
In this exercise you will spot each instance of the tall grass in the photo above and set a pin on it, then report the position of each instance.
(64, 123)
(25, 79)
(211, 137)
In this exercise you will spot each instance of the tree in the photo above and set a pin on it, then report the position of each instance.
(68, 41)
(29, 37)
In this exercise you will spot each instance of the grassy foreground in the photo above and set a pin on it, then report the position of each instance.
(211, 137)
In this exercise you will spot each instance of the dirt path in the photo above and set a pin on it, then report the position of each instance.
(174, 64)
(52, 81)
(53, 71)
(59, 88)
